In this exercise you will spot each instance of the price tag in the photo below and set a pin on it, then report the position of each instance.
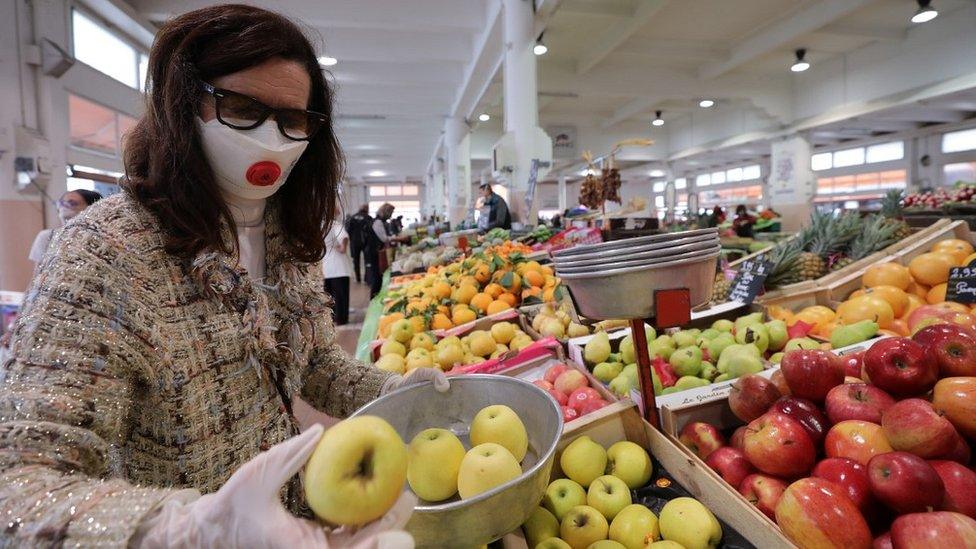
(749, 280)
(961, 287)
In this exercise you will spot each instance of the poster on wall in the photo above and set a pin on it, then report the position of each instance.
(791, 179)
(563, 141)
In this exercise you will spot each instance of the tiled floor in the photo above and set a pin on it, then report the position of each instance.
(348, 335)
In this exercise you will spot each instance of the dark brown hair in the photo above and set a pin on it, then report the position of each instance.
(166, 170)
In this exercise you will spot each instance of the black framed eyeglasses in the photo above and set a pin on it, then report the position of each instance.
(241, 112)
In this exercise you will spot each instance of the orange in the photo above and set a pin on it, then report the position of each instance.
(386, 321)
(443, 309)
(931, 268)
(534, 278)
(867, 307)
(969, 259)
(950, 257)
(816, 314)
(510, 281)
(480, 302)
(899, 326)
(442, 290)
(914, 302)
(529, 267)
(482, 274)
(955, 246)
(508, 298)
(936, 294)
(441, 322)
(498, 306)
(462, 315)
(464, 293)
(895, 297)
(417, 306)
(546, 270)
(921, 290)
(419, 324)
(549, 294)
(777, 312)
(531, 292)
(887, 274)
(468, 281)
(494, 290)
(824, 330)
(551, 281)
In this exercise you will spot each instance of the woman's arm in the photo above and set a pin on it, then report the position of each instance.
(66, 397)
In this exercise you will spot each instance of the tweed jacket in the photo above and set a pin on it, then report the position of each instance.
(135, 374)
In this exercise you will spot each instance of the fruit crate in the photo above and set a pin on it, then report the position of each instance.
(742, 524)
(483, 323)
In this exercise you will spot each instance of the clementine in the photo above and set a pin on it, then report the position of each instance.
(931, 268)
(887, 274)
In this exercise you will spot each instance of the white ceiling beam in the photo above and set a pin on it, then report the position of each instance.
(619, 33)
(780, 33)
(482, 67)
(544, 11)
(396, 46)
(629, 110)
(590, 9)
(376, 72)
(923, 114)
(871, 33)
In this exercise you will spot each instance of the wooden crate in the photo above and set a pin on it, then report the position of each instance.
(692, 474)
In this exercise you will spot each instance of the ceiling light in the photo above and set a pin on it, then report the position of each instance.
(540, 47)
(376, 173)
(658, 121)
(801, 63)
(706, 103)
(327, 61)
(925, 12)
(484, 117)
(657, 173)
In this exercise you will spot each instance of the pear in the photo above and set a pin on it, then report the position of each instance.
(756, 334)
(577, 330)
(717, 345)
(708, 371)
(842, 336)
(723, 325)
(801, 343)
(778, 335)
(554, 328)
(690, 382)
(776, 358)
(597, 349)
(685, 338)
(622, 385)
(743, 321)
(686, 361)
(722, 377)
(607, 371)
(627, 353)
(663, 346)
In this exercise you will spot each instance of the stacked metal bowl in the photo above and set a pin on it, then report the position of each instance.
(617, 279)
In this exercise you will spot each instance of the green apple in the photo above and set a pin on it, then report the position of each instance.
(776, 358)
(356, 472)
(743, 321)
(391, 363)
(778, 334)
(597, 349)
(684, 338)
(622, 385)
(634, 527)
(665, 544)
(392, 347)
(756, 334)
(722, 377)
(606, 371)
(562, 495)
(484, 467)
(723, 325)
(608, 495)
(582, 526)
(627, 353)
(501, 425)
(688, 522)
(630, 463)
(718, 344)
(663, 346)
(708, 371)
(553, 543)
(541, 525)
(402, 331)
(419, 358)
(435, 457)
(690, 382)
(583, 461)
(801, 343)
(686, 361)
(606, 544)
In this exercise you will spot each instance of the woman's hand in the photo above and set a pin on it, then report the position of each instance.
(420, 375)
(247, 511)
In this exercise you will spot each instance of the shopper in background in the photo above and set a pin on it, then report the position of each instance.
(337, 269)
(717, 217)
(166, 334)
(356, 227)
(377, 240)
(396, 225)
(498, 214)
(743, 222)
(70, 205)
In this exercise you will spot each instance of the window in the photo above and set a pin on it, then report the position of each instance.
(870, 185)
(733, 175)
(959, 171)
(143, 71)
(659, 202)
(680, 183)
(410, 190)
(821, 161)
(703, 180)
(849, 157)
(718, 178)
(884, 152)
(964, 140)
(751, 172)
(92, 126)
(658, 187)
(394, 190)
(409, 209)
(376, 190)
(105, 52)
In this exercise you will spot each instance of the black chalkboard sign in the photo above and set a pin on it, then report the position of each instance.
(748, 282)
(961, 287)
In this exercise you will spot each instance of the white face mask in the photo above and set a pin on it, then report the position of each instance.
(251, 164)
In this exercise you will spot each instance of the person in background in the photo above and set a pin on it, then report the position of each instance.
(356, 228)
(498, 214)
(337, 269)
(70, 205)
(557, 221)
(743, 222)
(396, 225)
(717, 217)
(376, 241)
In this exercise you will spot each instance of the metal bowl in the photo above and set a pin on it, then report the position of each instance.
(658, 247)
(629, 293)
(638, 255)
(654, 262)
(628, 243)
(488, 516)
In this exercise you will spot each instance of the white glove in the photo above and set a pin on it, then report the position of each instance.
(247, 511)
(414, 377)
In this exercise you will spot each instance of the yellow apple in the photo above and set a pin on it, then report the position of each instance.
(540, 526)
(356, 472)
(401, 330)
(484, 467)
(481, 343)
(688, 522)
(503, 332)
(435, 458)
(608, 495)
(392, 347)
(449, 355)
(391, 363)
(419, 358)
(562, 495)
(553, 543)
(634, 527)
(501, 425)
(582, 526)
(630, 463)
(665, 544)
(606, 544)
(583, 460)
(423, 340)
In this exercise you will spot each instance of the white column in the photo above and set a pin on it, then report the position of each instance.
(791, 182)
(520, 100)
(562, 193)
(458, 164)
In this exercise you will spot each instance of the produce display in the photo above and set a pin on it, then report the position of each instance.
(571, 390)
(420, 260)
(961, 194)
(405, 349)
(593, 506)
(855, 451)
(556, 322)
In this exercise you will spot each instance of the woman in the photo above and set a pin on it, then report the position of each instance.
(337, 269)
(70, 205)
(743, 222)
(168, 330)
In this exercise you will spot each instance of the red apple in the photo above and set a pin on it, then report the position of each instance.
(912, 425)
(883, 542)
(956, 398)
(701, 438)
(778, 445)
(780, 382)
(751, 396)
(857, 401)
(857, 440)
(738, 437)
(592, 406)
(960, 453)
(931, 530)
(569, 414)
(900, 367)
(581, 396)
(849, 475)
(905, 482)
(543, 384)
(554, 372)
(805, 413)
(763, 491)
(811, 373)
(952, 346)
(569, 381)
(929, 315)
(730, 464)
(558, 396)
(852, 363)
(814, 512)
(960, 487)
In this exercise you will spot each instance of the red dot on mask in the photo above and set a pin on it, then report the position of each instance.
(263, 174)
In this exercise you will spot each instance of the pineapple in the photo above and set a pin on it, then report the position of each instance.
(721, 288)
(834, 236)
(878, 234)
(840, 263)
(891, 204)
(810, 266)
(785, 258)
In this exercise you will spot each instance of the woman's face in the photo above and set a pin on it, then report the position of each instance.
(70, 205)
(277, 83)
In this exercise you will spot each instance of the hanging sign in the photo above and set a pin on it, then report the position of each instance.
(749, 280)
